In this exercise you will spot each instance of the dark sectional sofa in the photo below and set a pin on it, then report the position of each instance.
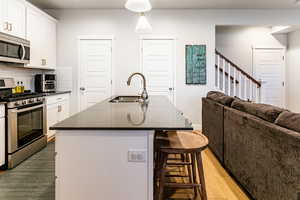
(258, 144)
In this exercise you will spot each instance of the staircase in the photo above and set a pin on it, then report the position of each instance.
(233, 81)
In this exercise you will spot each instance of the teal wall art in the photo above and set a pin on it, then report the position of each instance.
(195, 58)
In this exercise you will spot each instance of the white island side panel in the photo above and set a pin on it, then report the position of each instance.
(94, 165)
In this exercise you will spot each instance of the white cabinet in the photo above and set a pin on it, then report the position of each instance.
(49, 38)
(2, 135)
(13, 17)
(2, 24)
(58, 109)
(34, 23)
(52, 113)
(41, 32)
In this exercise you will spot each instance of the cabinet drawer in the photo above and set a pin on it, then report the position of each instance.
(57, 98)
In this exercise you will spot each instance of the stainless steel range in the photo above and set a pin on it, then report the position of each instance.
(26, 123)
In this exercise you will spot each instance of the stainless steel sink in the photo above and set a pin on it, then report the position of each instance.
(126, 99)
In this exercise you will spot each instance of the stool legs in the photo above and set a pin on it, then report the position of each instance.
(195, 170)
(162, 174)
(201, 176)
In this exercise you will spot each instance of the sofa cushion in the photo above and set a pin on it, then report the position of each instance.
(289, 120)
(220, 98)
(263, 111)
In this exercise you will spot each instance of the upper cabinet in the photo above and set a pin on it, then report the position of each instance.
(20, 18)
(13, 20)
(41, 32)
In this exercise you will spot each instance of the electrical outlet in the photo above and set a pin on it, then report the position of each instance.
(137, 155)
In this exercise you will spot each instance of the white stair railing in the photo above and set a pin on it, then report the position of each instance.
(233, 81)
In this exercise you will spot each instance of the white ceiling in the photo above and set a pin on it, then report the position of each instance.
(208, 4)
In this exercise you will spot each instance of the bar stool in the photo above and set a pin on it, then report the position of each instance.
(188, 144)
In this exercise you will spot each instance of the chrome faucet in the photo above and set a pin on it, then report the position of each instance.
(144, 94)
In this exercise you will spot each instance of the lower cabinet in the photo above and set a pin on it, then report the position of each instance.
(57, 110)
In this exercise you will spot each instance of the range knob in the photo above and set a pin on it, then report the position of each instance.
(16, 103)
(24, 102)
(31, 100)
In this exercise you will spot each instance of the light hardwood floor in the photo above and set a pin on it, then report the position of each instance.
(220, 186)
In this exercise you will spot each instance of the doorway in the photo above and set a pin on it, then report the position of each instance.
(95, 70)
(158, 65)
(269, 69)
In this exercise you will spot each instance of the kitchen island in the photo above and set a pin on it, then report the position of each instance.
(106, 151)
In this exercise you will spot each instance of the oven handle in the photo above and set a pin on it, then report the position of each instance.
(27, 109)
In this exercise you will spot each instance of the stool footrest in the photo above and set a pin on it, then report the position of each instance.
(178, 176)
(179, 163)
(182, 185)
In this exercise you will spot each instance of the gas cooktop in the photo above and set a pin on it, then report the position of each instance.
(20, 96)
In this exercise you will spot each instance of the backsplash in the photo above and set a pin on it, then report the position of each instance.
(17, 71)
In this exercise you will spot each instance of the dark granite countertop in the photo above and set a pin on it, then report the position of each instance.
(159, 114)
(55, 93)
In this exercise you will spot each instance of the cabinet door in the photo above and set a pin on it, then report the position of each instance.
(15, 16)
(34, 26)
(2, 24)
(63, 110)
(2, 141)
(49, 41)
(52, 118)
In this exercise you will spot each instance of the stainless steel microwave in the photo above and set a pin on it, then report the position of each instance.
(14, 49)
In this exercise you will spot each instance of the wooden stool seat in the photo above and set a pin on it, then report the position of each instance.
(184, 142)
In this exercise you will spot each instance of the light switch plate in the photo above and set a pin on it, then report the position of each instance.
(137, 155)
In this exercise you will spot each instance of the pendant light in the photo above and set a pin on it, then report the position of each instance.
(138, 5)
(143, 26)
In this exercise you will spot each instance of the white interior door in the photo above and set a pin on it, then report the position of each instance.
(269, 68)
(95, 71)
(158, 65)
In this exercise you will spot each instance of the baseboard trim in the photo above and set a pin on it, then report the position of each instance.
(197, 127)
(51, 139)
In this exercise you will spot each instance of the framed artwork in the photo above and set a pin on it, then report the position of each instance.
(195, 58)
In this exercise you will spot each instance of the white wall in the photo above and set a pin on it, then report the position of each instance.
(188, 26)
(293, 72)
(236, 42)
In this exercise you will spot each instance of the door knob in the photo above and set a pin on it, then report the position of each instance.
(82, 88)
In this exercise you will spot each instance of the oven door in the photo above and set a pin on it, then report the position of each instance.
(25, 125)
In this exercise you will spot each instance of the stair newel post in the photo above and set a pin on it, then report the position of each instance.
(257, 93)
